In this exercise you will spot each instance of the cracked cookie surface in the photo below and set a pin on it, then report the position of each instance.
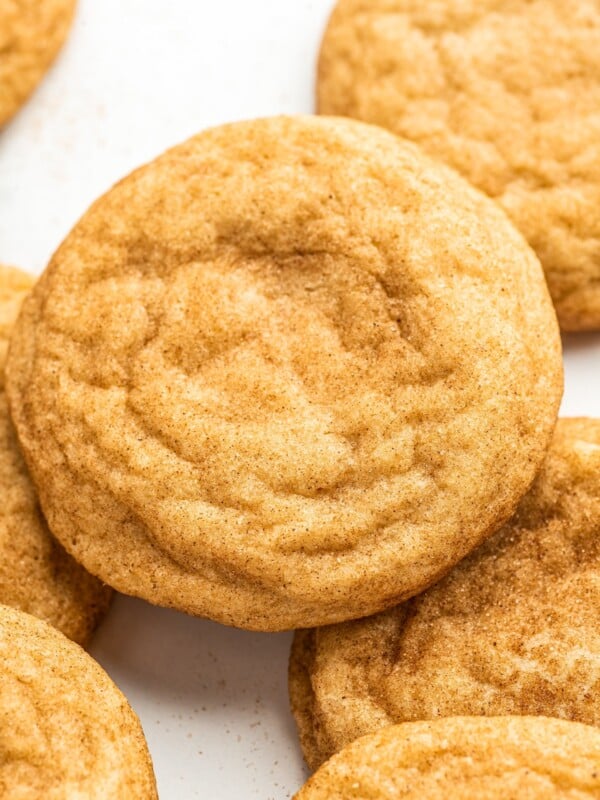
(286, 374)
(505, 91)
(36, 574)
(513, 629)
(66, 731)
(31, 34)
(466, 758)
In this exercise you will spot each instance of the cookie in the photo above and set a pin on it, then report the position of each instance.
(465, 758)
(513, 629)
(31, 34)
(506, 93)
(286, 374)
(36, 574)
(66, 730)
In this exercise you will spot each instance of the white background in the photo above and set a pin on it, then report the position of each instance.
(137, 76)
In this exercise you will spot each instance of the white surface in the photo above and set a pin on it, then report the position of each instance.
(136, 77)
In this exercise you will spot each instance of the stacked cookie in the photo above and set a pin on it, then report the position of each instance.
(289, 375)
(511, 630)
(66, 729)
(285, 375)
(36, 574)
(508, 94)
(468, 758)
(31, 34)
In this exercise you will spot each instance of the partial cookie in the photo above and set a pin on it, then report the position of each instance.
(465, 758)
(512, 630)
(31, 34)
(66, 731)
(36, 574)
(508, 94)
(286, 374)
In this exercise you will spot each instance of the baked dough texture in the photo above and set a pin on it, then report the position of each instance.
(513, 629)
(286, 374)
(505, 91)
(66, 731)
(465, 758)
(36, 574)
(31, 34)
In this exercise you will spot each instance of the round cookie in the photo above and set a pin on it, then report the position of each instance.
(66, 730)
(286, 374)
(31, 34)
(506, 93)
(465, 758)
(36, 574)
(513, 629)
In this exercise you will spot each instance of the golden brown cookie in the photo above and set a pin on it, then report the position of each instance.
(465, 758)
(66, 731)
(513, 629)
(36, 574)
(31, 34)
(507, 93)
(286, 374)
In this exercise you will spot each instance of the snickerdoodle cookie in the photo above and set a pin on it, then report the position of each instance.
(508, 93)
(512, 630)
(66, 731)
(286, 374)
(31, 34)
(465, 758)
(36, 574)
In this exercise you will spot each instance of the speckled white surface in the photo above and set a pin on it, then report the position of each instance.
(136, 77)
(212, 700)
